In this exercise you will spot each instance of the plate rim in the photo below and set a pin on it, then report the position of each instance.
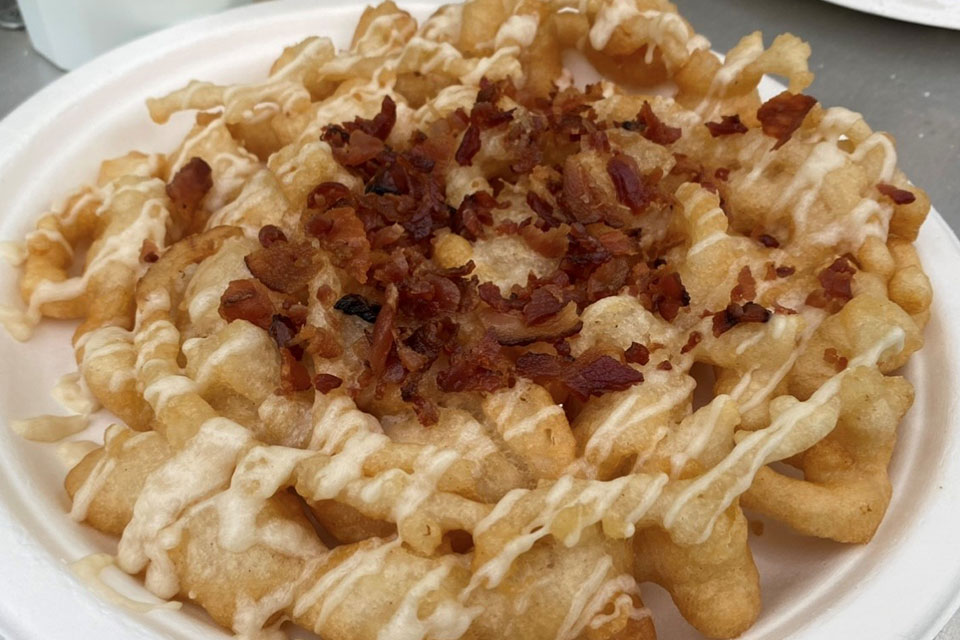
(22, 124)
(904, 11)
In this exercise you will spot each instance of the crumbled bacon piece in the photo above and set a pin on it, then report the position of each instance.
(654, 129)
(746, 287)
(722, 174)
(544, 302)
(511, 329)
(692, 341)
(341, 232)
(383, 327)
(149, 252)
(189, 186)
(326, 382)
(594, 376)
(736, 314)
(899, 196)
(589, 375)
(783, 114)
(271, 235)
(482, 367)
(637, 354)
(768, 241)
(728, 125)
(286, 266)
(247, 300)
(784, 271)
(832, 357)
(630, 187)
(469, 146)
(293, 375)
(542, 208)
(327, 195)
(550, 243)
(283, 330)
(354, 304)
(667, 295)
(665, 365)
(836, 286)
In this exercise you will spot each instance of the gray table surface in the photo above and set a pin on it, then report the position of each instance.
(904, 78)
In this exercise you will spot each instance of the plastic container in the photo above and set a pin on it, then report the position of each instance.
(70, 32)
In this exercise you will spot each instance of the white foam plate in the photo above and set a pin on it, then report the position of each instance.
(936, 13)
(904, 584)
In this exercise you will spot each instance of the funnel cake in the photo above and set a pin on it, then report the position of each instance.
(402, 337)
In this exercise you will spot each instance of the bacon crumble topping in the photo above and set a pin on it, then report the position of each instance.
(899, 196)
(728, 125)
(783, 114)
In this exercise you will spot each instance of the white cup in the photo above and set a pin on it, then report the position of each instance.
(70, 32)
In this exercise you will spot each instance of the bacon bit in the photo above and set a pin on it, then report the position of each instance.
(342, 233)
(327, 195)
(382, 124)
(469, 146)
(425, 409)
(189, 186)
(836, 282)
(654, 129)
(540, 367)
(589, 375)
(832, 357)
(736, 314)
(354, 304)
(510, 329)
(247, 300)
(722, 174)
(293, 375)
(692, 341)
(746, 287)
(637, 354)
(359, 148)
(899, 196)
(668, 295)
(286, 266)
(665, 366)
(326, 382)
(542, 208)
(785, 271)
(728, 125)
(482, 367)
(551, 243)
(771, 271)
(282, 330)
(594, 376)
(383, 328)
(473, 214)
(544, 302)
(768, 241)
(271, 235)
(149, 252)
(630, 187)
(783, 114)
(583, 198)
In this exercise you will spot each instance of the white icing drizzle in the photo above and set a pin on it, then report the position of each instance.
(73, 451)
(89, 569)
(47, 428)
(448, 621)
(71, 393)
